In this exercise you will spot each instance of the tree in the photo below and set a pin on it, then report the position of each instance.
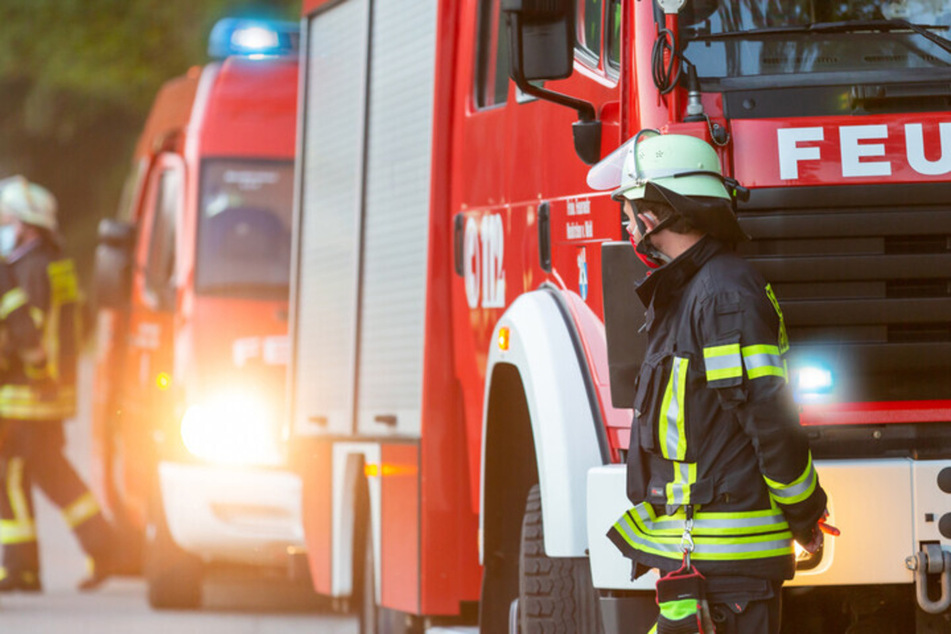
(77, 78)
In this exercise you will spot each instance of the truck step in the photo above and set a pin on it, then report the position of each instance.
(453, 630)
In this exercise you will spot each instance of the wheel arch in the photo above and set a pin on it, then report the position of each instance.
(540, 401)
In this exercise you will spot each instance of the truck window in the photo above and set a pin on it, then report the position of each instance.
(492, 56)
(160, 263)
(589, 38)
(613, 34)
(244, 228)
(750, 38)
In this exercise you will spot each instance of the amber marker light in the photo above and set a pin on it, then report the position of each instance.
(504, 338)
(163, 381)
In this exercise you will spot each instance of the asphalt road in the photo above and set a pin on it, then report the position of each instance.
(234, 607)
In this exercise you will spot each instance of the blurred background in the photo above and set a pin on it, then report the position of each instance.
(77, 78)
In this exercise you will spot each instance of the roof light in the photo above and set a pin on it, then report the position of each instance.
(253, 38)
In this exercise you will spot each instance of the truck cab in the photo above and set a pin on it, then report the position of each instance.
(192, 282)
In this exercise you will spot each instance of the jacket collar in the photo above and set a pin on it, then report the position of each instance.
(660, 286)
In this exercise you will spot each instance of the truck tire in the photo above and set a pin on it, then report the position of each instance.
(173, 576)
(375, 619)
(555, 594)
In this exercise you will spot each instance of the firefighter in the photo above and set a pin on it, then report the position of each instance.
(719, 469)
(33, 405)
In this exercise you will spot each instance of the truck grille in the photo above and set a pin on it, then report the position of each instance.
(863, 274)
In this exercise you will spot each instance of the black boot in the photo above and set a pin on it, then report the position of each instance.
(20, 581)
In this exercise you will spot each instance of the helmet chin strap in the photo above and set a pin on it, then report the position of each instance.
(649, 254)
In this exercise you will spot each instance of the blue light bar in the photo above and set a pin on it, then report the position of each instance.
(253, 38)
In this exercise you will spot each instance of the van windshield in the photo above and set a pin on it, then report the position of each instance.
(749, 38)
(244, 228)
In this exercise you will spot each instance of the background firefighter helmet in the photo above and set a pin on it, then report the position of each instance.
(27, 202)
(680, 170)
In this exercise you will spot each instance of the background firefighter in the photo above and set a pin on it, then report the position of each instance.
(35, 401)
(716, 436)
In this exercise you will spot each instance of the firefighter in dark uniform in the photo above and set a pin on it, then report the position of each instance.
(718, 464)
(33, 405)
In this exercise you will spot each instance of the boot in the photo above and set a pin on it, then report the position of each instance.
(100, 569)
(20, 581)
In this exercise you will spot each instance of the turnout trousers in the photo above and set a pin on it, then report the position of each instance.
(31, 453)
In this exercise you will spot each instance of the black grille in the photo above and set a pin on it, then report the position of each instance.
(864, 278)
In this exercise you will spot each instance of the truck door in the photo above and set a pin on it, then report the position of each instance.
(146, 396)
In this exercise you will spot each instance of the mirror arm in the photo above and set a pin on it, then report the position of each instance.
(587, 130)
(584, 108)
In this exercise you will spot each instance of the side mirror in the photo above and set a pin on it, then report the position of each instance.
(542, 46)
(544, 36)
(113, 276)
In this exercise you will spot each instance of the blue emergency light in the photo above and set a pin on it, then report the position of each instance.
(253, 38)
(813, 382)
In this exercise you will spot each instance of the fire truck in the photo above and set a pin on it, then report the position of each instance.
(192, 287)
(464, 329)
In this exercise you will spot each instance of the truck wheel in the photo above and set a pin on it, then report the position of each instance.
(173, 576)
(555, 594)
(375, 619)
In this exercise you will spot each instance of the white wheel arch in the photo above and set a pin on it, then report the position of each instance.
(544, 351)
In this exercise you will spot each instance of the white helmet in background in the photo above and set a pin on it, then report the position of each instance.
(27, 202)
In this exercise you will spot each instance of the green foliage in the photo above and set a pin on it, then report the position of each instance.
(77, 78)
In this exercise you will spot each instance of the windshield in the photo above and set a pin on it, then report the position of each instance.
(741, 38)
(244, 229)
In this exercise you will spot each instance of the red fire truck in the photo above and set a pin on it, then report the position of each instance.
(463, 326)
(192, 287)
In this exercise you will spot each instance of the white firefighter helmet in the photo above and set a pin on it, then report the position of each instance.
(680, 170)
(27, 202)
(683, 164)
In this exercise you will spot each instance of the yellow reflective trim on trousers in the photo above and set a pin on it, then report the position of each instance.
(16, 494)
(11, 300)
(85, 507)
(671, 430)
(21, 529)
(13, 532)
(797, 490)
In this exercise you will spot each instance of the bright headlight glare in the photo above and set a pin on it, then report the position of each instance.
(232, 430)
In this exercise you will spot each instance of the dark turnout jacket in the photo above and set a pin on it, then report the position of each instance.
(716, 432)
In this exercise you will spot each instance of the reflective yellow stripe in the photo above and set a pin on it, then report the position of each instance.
(21, 528)
(84, 508)
(23, 402)
(37, 316)
(797, 490)
(636, 528)
(11, 300)
(672, 433)
(13, 532)
(783, 337)
(678, 491)
(763, 360)
(722, 362)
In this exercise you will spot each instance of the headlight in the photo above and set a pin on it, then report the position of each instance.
(233, 429)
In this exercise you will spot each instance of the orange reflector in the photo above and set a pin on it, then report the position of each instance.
(163, 381)
(504, 338)
(374, 470)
